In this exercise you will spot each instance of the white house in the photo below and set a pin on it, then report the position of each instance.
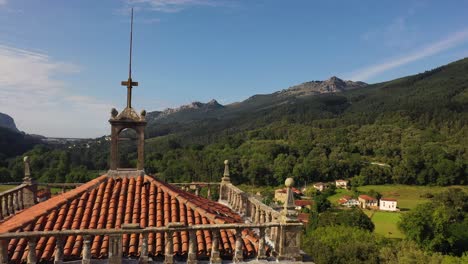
(341, 184)
(320, 186)
(388, 204)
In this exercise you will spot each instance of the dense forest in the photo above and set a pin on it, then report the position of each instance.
(412, 130)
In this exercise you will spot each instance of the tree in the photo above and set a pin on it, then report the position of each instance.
(441, 224)
(342, 244)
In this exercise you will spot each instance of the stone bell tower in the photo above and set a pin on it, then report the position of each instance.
(130, 119)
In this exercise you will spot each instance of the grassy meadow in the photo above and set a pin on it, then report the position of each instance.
(6, 187)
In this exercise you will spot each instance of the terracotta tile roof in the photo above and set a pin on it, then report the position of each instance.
(303, 217)
(302, 202)
(295, 190)
(110, 202)
(367, 197)
(388, 199)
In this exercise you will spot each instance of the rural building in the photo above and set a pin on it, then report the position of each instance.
(280, 194)
(348, 201)
(367, 202)
(388, 204)
(301, 204)
(341, 184)
(320, 186)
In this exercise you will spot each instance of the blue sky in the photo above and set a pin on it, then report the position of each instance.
(61, 62)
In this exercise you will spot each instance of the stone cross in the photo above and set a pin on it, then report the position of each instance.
(129, 83)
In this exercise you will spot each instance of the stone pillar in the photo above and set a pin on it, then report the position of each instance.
(192, 253)
(215, 258)
(115, 249)
(290, 236)
(86, 258)
(58, 258)
(238, 252)
(144, 249)
(29, 192)
(261, 245)
(289, 209)
(3, 251)
(226, 176)
(168, 251)
(141, 148)
(32, 258)
(114, 152)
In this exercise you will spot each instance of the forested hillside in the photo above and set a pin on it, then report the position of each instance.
(412, 130)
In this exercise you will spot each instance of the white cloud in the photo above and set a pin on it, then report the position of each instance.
(423, 52)
(172, 6)
(32, 92)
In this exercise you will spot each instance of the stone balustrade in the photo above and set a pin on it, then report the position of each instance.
(116, 235)
(12, 201)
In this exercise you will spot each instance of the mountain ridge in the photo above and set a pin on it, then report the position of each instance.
(212, 109)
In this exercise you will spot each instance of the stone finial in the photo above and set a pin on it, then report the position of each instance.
(289, 182)
(114, 113)
(289, 207)
(27, 170)
(226, 176)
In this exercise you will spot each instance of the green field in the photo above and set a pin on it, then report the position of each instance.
(386, 224)
(6, 187)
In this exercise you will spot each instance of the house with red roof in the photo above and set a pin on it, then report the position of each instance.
(367, 202)
(388, 204)
(348, 201)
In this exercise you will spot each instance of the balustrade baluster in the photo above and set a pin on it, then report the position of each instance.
(192, 253)
(262, 216)
(144, 249)
(238, 252)
(168, 252)
(58, 258)
(3, 205)
(21, 199)
(115, 249)
(1, 209)
(215, 259)
(86, 254)
(208, 193)
(257, 214)
(32, 258)
(197, 191)
(261, 245)
(3, 251)
(11, 208)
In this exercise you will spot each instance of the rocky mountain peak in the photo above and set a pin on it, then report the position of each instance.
(8, 122)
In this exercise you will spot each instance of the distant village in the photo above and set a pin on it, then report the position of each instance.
(305, 203)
